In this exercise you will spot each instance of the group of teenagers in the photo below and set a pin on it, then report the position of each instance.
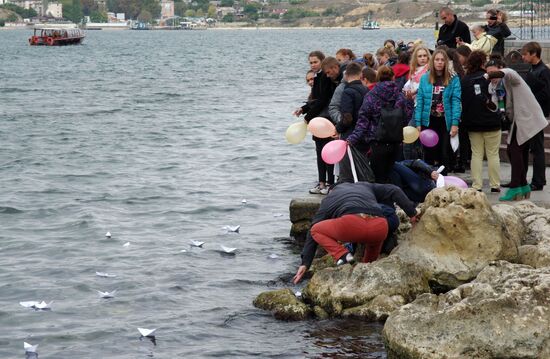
(463, 90)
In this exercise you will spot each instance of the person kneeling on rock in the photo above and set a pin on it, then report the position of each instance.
(352, 212)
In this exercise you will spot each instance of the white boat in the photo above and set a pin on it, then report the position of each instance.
(370, 24)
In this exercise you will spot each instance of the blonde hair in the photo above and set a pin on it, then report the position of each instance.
(414, 63)
(446, 70)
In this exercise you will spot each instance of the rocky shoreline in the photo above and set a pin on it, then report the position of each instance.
(471, 279)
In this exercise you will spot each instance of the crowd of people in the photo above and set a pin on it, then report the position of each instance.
(465, 91)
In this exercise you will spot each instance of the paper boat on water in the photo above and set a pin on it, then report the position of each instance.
(197, 244)
(30, 348)
(146, 332)
(228, 250)
(106, 295)
(37, 305)
(105, 275)
(234, 229)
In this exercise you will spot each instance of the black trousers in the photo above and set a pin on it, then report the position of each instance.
(325, 171)
(383, 156)
(440, 154)
(519, 157)
(536, 144)
(464, 149)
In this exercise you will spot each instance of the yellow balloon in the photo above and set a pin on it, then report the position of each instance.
(296, 132)
(410, 134)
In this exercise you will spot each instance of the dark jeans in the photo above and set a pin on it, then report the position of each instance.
(415, 186)
(412, 151)
(464, 149)
(519, 156)
(440, 153)
(325, 171)
(383, 156)
(536, 144)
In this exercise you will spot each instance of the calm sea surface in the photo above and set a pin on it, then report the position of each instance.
(157, 137)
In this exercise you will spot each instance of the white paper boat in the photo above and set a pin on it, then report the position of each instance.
(197, 244)
(243, 201)
(37, 305)
(29, 304)
(298, 294)
(146, 332)
(234, 229)
(273, 256)
(108, 234)
(106, 295)
(127, 244)
(30, 348)
(105, 275)
(183, 251)
(228, 250)
(43, 306)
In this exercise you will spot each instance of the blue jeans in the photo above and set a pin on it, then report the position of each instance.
(415, 186)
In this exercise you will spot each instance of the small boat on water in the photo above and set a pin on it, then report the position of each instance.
(369, 24)
(56, 36)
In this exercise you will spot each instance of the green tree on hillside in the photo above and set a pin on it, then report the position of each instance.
(24, 13)
(145, 16)
(98, 16)
(72, 10)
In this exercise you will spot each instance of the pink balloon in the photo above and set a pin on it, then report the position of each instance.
(334, 151)
(455, 181)
(321, 127)
(429, 138)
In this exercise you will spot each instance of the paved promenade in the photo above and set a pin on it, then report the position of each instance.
(540, 198)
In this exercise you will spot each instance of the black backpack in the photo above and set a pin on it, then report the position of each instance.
(390, 126)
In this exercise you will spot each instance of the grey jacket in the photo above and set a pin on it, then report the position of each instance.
(334, 106)
(522, 107)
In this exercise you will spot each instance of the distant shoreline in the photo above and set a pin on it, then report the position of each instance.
(252, 27)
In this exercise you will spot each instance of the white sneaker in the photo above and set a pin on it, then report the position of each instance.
(347, 259)
(316, 190)
(324, 191)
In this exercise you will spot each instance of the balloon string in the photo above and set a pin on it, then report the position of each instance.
(352, 165)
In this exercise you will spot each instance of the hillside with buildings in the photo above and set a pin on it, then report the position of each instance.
(268, 13)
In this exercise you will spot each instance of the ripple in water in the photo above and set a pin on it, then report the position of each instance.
(156, 137)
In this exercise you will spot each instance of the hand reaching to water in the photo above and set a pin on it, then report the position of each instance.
(299, 274)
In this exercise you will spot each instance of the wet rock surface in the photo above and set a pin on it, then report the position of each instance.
(284, 305)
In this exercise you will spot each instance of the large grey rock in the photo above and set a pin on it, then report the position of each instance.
(536, 249)
(338, 290)
(458, 235)
(503, 313)
(283, 304)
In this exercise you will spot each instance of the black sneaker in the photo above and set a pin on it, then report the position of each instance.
(346, 258)
(534, 187)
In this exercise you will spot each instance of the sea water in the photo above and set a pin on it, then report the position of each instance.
(157, 137)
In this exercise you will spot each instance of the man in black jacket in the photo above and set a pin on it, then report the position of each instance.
(452, 30)
(531, 53)
(496, 27)
(352, 213)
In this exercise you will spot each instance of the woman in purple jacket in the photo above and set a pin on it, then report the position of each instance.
(385, 94)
